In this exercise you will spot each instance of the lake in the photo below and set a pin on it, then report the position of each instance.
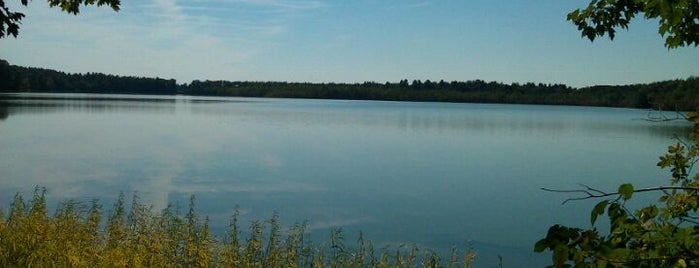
(433, 174)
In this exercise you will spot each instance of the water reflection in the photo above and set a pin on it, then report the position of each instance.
(447, 117)
(491, 118)
(4, 111)
(87, 103)
(440, 174)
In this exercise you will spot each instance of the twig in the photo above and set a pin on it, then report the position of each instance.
(684, 219)
(591, 189)
(661, 117)
(594, 193)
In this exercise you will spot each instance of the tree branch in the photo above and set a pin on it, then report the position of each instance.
(690, 220)
(662, 117)
(590, 193)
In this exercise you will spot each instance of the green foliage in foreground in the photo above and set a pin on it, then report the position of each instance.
(75, 236)
(665, 234)
(677, 20)
(10, 20)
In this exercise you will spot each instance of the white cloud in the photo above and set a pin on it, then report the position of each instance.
(164, 38)
(285, 4)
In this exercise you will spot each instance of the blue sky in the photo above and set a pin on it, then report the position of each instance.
(343, 41)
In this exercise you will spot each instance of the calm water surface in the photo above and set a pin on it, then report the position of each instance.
(435, 174)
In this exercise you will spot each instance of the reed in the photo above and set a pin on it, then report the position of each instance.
(76, 236)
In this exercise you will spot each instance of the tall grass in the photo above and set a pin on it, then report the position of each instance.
(76, 236)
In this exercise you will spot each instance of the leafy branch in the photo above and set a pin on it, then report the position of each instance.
(590, 193)
(10, 20)
(665, 234)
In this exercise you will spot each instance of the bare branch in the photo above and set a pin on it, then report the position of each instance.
(666, 192)
(686, 219)
(662, 117)
(590, 193)
(592, 189)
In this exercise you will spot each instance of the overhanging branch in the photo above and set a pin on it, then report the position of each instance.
(590, 193)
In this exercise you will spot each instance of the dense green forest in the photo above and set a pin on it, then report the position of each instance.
(22, 79)
(666, 95)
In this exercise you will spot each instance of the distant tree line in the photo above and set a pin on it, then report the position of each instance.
(680, 95)
(23, 79)
(666, 95)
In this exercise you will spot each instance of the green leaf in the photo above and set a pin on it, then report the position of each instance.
(541, 245)
(647, 213)
(620, 254)
(560, 255)
(598, 210)
(626, 191)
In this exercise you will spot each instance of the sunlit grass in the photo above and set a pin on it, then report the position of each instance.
(76, 236)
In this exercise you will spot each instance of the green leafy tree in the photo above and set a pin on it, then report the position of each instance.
(10, 20)
(665, 234)
(678, 19)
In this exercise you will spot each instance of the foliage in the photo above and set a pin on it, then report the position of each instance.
(665, 234)
(10, 20)
(20, 79)
(678, 19)
(75, 236)
(673, 95)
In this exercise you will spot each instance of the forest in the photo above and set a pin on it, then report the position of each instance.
(24, 79)
(680, 95)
